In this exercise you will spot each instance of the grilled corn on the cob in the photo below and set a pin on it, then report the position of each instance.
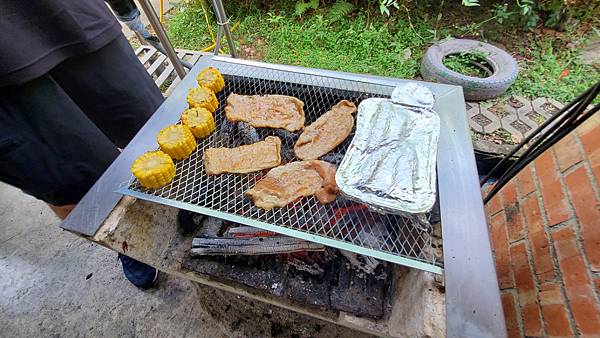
(177, 141)
(199, 120)
(210, 77)
(153, 169)
(202, 97)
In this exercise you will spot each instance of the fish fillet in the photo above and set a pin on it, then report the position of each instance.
(244, 159)
(327, 132)
(266, 111)
(287, 183)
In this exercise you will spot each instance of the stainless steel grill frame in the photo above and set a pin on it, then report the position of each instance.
(342, 224)
(473, 306)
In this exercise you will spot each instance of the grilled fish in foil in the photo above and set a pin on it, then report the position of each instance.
(391, 163)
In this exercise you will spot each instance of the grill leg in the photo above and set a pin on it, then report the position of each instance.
(162, 36)
(223, 23)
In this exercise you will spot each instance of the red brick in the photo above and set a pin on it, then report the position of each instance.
(551, 189)
(541, 256)
(585, 313)
(501, 253)
(525, 181)
(509, 193)
(531, 211)
(526, 289)
(498, 232)
(510, 315)
(522, 272)
(532, 323)
(567, 152)
(554, 310)
(494, 205)
(587, 210)
(589, 134)
(577, 283)
(514, 224)
(597, 284)
(594, 158)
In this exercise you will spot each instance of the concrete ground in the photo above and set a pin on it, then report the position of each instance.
(54, 283)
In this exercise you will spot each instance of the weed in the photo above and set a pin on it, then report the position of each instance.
(471, 64)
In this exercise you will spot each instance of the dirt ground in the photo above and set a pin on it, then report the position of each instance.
(53, 283)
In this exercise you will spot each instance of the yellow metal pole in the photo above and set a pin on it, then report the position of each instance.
(161, 11)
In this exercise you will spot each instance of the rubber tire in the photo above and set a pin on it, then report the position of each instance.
(505, 68)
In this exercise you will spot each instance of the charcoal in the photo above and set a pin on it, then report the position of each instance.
(334, 158)
(286, 136)
(248, 133)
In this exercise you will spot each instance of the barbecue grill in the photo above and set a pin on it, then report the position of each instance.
(342, 224)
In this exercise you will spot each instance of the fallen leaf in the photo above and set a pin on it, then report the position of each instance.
(516, 138)
(564, 73)
(125, 246)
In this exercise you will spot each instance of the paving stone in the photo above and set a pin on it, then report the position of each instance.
(495, 124)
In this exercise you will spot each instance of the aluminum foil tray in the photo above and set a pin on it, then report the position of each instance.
(343, 224)
(390, 164)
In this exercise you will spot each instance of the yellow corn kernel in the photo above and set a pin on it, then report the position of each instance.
(199, 120)
(177, 141)
(211, 78)
(153, 169)
(202, 97)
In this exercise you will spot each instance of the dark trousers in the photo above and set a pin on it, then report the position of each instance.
(59, 132)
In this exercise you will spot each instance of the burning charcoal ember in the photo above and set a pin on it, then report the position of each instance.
(248, 133)
(246, 231)
(286, 136)
(334, 158)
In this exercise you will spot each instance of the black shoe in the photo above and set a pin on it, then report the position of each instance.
(139, 274)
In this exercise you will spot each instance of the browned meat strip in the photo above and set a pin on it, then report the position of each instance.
(245, 159)
(287, 183)
(266, 111)
(327, 132)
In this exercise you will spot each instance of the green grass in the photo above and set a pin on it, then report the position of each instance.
(465, 63)
(374, 45)
(352, 46)
(545, 75)
(187, 28)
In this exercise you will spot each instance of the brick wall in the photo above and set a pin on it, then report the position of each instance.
(545, 233)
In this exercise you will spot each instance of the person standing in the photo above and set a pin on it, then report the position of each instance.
(72, 92)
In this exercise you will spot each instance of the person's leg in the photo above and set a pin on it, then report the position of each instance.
(112, 87)
(114, 90)
(48, 147)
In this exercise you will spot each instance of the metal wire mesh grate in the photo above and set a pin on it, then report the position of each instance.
(344, 224)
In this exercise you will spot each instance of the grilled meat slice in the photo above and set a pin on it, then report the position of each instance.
(287, 183)
(244, 159)
(266, 111)
(327, 132)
